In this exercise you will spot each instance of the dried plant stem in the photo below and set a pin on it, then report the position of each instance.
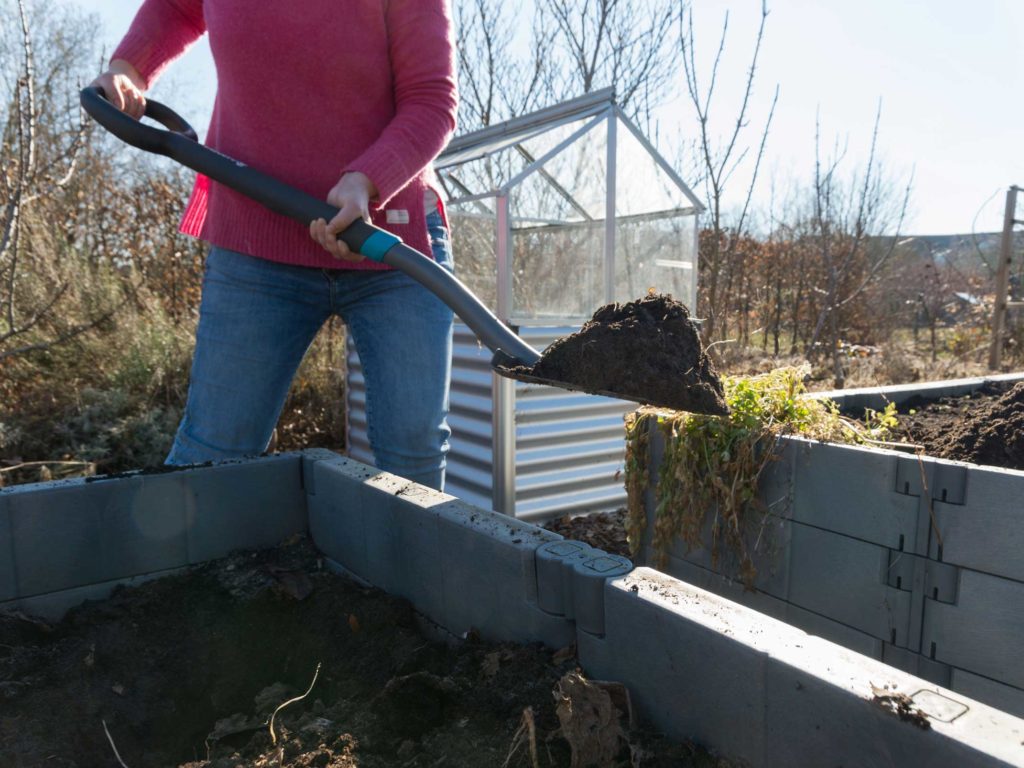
(273, 736)
(113, 746)
(926, 494)
(525, 734)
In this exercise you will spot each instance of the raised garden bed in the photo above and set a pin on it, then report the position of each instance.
(695, 666)
(907, 558)
(984, 426)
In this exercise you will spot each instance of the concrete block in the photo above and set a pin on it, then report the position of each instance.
(987, 532)
(8, 578)
(338, 511)
(754, 689)
(767, 543)
(243, 505)
(381, 528)
(53, 605)
(588, 580)
(71, 535)
(491, 586)
(995, 694)
(835, 632)
(776, 608)
(686, 679)
(917, 664)
(310, 457)
(844, 579)
(849, 490)
(983, 632)
(463, 567)
(554, 563)
(727, 587)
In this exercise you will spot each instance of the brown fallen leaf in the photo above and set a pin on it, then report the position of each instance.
(294, 584)
(353, 622)
(590, 714)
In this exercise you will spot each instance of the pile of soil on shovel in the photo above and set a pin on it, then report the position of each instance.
(646, 350)
(187, 670)
(984, 427)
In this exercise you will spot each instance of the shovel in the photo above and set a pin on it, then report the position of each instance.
(512, 357)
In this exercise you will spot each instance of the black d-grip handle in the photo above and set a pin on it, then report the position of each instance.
(132, 131)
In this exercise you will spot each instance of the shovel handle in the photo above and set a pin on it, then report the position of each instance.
(179, 142)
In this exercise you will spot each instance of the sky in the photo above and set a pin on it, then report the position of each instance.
(949, 75)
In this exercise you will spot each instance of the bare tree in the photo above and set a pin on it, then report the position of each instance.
(42, 142)
(847, 223)
(497, 81)
(626, 45)
(718, 162)
(572, 47)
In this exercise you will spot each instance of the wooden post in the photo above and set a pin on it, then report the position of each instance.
(995, 352)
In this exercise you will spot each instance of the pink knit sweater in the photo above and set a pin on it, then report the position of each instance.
(305, 92)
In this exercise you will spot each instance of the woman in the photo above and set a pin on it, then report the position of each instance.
(350, 102)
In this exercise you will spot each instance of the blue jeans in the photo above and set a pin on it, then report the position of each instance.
(257, 318)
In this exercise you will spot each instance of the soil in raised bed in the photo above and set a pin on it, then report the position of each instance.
(601, 530)
(984, 427)
(646, 350)
(186, 671)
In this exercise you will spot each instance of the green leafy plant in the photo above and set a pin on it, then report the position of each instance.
(712, 464)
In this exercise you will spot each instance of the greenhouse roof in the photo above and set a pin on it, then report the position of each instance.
(565, 147)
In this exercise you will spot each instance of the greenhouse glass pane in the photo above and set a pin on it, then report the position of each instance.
(558, 273)
(503, 160)
(641, 185)
(474, 247)
(558, 234)
(570, 186)
(655, 253)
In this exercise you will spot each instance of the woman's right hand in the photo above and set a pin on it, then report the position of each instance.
(123, 86)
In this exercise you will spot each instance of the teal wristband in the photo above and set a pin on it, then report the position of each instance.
(377, 244)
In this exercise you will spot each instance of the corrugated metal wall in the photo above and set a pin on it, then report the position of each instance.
(568, 447)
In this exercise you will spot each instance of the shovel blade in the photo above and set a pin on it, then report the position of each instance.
(512, 368)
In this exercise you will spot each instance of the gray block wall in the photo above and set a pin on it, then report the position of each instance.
(68, 541)
(697, 665)
(778, 696)
(912, 561)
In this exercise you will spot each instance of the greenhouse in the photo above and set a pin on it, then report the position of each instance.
(552, 215)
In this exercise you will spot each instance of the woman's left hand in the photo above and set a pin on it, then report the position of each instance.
(351, 195)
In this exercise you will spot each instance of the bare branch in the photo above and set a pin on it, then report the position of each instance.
(63, 338)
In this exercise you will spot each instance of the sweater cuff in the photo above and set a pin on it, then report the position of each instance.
(147, 55)
(386, 170)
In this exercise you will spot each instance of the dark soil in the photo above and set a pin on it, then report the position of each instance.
(985, 427)
(647, 350)
(601, 530)
(187, 670)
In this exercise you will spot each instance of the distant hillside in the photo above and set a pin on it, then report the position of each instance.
(961, 249)
(968, 254)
